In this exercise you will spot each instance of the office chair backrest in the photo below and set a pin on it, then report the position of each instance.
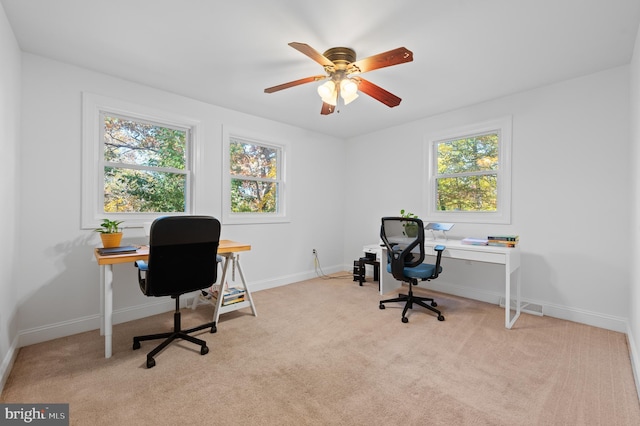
(402, 236)
(182, 255)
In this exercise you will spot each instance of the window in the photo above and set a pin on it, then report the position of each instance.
(255, 190)
(145, 166)
(137, 163)
(469, 174)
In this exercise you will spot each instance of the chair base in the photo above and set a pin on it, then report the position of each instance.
(170, 336)
(410, 300)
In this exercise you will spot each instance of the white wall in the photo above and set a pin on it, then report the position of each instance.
(9, 184)
(633, 333)
(561, 134)
(570, 195)
(58, 287)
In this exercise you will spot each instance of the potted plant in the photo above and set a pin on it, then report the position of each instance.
(110, 234)
(410, 228)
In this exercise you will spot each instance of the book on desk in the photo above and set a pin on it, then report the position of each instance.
(110, 251)
(503, 240)
(493, 240)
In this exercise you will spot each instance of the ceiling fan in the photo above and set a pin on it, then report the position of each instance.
(343, 75)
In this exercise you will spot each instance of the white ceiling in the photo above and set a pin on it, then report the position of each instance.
(227, 52)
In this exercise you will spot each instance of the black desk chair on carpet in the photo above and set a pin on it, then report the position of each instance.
(402, 236)
(182, 259)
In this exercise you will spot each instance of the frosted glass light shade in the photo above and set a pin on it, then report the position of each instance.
(326, 90)
(348, 87)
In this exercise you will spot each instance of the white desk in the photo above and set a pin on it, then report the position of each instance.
(509, 257)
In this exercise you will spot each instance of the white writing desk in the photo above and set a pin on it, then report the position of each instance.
(227, 249)
(509, 257)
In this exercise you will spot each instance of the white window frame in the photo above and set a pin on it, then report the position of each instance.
(93, 107)
(502, 215)
(284, 158)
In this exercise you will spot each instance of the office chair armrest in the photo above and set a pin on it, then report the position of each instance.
(142, 265)
(439, 248)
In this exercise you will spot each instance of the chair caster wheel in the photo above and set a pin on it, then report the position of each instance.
(151, 362)
(405, 320)
(136, 345)
(381, 306)
(440, 318)
(204, 350)
(213, 329)
(434, 304)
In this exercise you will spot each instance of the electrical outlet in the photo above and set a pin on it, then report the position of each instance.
(314, 251)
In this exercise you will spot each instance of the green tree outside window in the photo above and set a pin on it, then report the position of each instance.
(467, 178)
(254, 170)
(145, 166)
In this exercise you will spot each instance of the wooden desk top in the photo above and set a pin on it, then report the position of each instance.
(225, 247)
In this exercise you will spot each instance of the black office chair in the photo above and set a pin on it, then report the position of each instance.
(182, 259)
(401, 236)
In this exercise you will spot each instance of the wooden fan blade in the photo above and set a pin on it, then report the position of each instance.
(312, 53)
(381, 60)
(327, 108)
(294, 83)
(378, 93)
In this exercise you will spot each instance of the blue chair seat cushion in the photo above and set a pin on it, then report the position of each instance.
(422, 271)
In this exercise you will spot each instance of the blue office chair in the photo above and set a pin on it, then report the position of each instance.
(402, 236)
(182, 259)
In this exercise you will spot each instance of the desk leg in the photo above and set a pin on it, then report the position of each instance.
(508, 321)
(102, 273)
(228, 258)
(387, 282)
(246, 289)
(218, 304)
(108, 309)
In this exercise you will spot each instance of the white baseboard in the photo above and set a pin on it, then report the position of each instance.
(257, 285)
(635, 359)
(595, 319)
(80, 325)
(582, 316)
(7, 363)
(157, 306)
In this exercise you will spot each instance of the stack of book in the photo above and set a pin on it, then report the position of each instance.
(503, 240)
(231, 295)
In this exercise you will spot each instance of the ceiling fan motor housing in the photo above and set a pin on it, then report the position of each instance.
(340, 56)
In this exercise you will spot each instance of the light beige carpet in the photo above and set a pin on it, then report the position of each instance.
(320, 352)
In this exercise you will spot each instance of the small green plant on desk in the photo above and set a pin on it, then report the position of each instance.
(109, 226)
(410, 229)
(110, 234)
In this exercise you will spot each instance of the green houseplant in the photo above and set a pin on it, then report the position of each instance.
(110, 233)
(410, 229)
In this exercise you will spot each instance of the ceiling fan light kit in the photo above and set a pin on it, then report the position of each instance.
(342, 75)
(328, 93)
